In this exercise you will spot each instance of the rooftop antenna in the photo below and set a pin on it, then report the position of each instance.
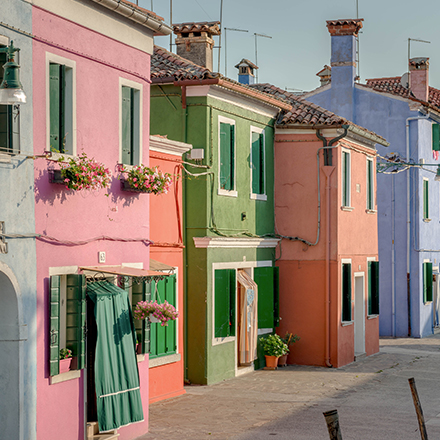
(220, 36)
(171, 23)
(409, 56)
(357, 46)
(226, 47)
(256, 48)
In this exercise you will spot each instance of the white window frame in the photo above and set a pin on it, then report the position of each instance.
(345, 150)
(254, 196)
(370, 179)
(70, 108)
(224, 192)
(123, 82)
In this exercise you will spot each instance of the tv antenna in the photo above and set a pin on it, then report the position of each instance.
(409, 55)
(256, 48)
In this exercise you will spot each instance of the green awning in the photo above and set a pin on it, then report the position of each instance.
(118, 397)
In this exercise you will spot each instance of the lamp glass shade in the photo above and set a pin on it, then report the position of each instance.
(12, 96)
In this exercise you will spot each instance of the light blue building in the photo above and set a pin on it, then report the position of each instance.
(405, 111)
(17, 254)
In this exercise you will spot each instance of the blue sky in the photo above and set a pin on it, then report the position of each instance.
(300, 44)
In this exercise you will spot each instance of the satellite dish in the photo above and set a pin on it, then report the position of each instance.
(404, 80)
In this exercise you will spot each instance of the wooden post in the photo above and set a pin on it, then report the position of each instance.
(419, 412)
(332, 419)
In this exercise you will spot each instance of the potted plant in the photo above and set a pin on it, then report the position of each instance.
(155, 312)
(143, 179)
(273, 347)
(65, 360)
(80, 173)
(289, 339)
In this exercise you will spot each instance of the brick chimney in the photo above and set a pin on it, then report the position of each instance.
(246, 71)
(419, 78)
(325, 75)
(343, 64)
(195, 43)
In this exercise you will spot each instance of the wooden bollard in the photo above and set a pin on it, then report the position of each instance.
(418, 406)
(332, 420)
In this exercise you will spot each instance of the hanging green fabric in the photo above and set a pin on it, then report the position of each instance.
(118, 397)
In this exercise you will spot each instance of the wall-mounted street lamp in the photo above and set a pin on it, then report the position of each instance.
(11, 90)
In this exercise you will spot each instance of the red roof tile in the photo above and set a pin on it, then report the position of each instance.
(211, 27)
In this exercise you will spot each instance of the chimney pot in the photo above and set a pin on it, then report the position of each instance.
(419, 78)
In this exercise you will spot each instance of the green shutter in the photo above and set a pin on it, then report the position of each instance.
(76, 316)
(436, 137)
(146, 328)
(14, 137)
(427, 282)
(345, 179)
(127, 127)
(373, 287)
(370, 204)
(264, 278)
(137, 294)
(54, 337)
(257, 163)
(232, 155)
(224, 303)
(225, 156)
(170, 329)
(346, 292)
(426, 199)
(54, 106)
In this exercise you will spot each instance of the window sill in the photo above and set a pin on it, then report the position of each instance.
(218, 341)
(125, 166)
(140, 357)
(262, 197)
(347, 323)
(264, 331)
(64, 377)
(347, 208)
(164, 360)
(372, 316)
(5, 158)
(427, 220)
(427, 303)
(224, 192)
(371, 211)
(56, 156)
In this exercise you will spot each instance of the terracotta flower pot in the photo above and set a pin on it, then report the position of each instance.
(271, 362)
(65, 365)
(282, 361)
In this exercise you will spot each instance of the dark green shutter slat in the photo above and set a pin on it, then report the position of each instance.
(127, 133)
(370, 185)
(346, 292)
(346, 178)
(146, 328)
(264, 278)
(54, 106)
(256, 163)
(54, 336)
(262, 156)
(276, 296)
(232, 290)
(222, 303)
(225, 156)
(171, 345)
(232, 155)
(425, 199)
(82, 310)
(62, 113)
(436, 137)
(160, 331)
(153, 333)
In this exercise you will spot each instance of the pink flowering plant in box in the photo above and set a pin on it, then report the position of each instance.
(148, 180)
(163, 312)
(65, 353)
(83, 173)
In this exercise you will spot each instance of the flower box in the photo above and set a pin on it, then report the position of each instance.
(65, 365)
(142, 179)
(125, 186)
(56, 177)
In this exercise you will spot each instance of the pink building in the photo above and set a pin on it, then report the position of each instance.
(91, 70)
(326, 214)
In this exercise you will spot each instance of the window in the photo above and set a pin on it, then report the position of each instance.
(67, 319)
(427, 282)
(226, 156)
(346, 178)
(258, 165)
(425, 199)
(373, 287)
(131, 117)
(267, 280)
(224, 303)
(346, 292)
(370, 184)
(61, 107)
(9, 122)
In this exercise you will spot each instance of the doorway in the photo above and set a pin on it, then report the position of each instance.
(359, 314)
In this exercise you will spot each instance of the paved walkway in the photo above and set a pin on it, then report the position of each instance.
(372, 397)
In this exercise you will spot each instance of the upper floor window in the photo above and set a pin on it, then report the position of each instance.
(61, 105)
(425, 199)
(370, 184)
(346, 177)
(226, 156)
(131, 117)
(258, 164)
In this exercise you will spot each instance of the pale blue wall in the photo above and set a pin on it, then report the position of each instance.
(19, 264)
(386, 115)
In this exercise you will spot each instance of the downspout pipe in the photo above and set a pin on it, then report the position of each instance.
(408, 219)
(327, 146)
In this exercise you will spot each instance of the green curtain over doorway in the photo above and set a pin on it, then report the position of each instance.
(118, 397)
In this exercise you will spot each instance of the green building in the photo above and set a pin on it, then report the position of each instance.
(231, 280)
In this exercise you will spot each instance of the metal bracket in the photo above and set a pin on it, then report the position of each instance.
(3, 244)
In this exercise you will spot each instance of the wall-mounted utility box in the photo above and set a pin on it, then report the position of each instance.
(196, 154)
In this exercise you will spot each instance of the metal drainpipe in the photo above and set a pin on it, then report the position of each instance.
(408, 221)
(327, 146)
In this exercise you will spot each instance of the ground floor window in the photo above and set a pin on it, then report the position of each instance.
(373, 287)
(427, 282)
(346, 292)
(224, 302)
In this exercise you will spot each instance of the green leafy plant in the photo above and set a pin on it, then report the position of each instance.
(273, 346)
(65, 353)
(83, 173)
(163, 312)
(149, 180)
(289, 339)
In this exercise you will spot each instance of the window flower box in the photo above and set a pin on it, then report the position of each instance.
(155, 312)
(142, 179)
(56, 177)
(65, 365)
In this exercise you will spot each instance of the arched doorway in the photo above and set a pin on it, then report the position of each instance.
(9, 359)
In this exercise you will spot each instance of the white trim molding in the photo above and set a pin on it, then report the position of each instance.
(161, 144)
(229, 242)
